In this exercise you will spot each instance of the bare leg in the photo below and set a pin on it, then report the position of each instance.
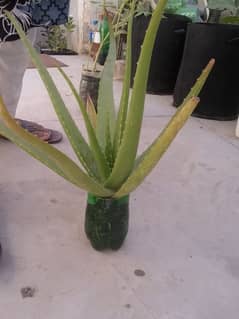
(13, 63)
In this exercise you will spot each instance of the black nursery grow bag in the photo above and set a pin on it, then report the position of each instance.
(219, 98)
(167, 53)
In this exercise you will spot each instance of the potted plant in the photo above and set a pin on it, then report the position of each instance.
(110, 169)
(89, 84)
(91, 73)
(57, 39)
(218, 37)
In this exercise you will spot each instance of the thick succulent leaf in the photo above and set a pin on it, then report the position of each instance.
(196, 89)
(90, 108)
(124, 162)
(109, 150)
(76, 139)
(48, 155)
(230, 20)
(105, 105)
(158, 148)
(99, 156)
(152, 155)
(121, 117)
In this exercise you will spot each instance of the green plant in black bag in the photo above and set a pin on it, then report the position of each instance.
(110, 169)
(56, 36)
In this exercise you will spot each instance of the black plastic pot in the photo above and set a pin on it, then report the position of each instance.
(106, 221)
(219, 99)
(167, 53)
(89, 85)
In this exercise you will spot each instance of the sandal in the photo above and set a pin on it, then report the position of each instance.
(55, 137)
(44, 134)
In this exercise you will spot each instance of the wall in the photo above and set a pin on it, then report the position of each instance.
(83, 12)
(76, 11)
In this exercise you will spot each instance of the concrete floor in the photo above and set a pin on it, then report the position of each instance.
(183, 227)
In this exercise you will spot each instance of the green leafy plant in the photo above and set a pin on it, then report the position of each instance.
(144, 7)
(109, 160)
(56, 35)
(70, 25)
(56, 38)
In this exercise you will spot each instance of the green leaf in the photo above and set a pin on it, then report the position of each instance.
(230, 20)
(90, 108)
(152, 155)
(121, 117)
(109, 150)
(124, 162)
(48, 155)
(195, 90)
(105, 105)
(158, 148)
(98, 154)
(76, 139)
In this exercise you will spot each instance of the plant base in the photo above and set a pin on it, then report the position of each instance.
(106, 221)
(89, 86)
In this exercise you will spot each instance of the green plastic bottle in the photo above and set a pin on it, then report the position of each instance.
(104, 30)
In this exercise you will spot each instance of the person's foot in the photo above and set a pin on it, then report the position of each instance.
(44, 134)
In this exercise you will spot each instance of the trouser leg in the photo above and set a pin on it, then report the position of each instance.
(13, 63)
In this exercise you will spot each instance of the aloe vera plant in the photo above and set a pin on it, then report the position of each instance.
(110, 169)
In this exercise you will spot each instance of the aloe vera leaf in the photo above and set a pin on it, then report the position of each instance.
(90, 108)
(105, 104)
(124, 162)
(121, 117)
(98, 154)
(109, 150)
(76, 139)
(158, 148)
(48, 155)
(160, 145)
(196, 89)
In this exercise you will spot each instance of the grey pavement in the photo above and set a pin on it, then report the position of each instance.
(184, 222)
